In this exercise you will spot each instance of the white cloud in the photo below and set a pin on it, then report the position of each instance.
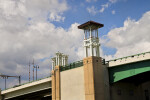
(113, 12)
(56, 17)
(132, 38)
(22, 40)
(12, 7)
(106, 5)
(90, 1)
(113, 1)
(38, 41)
(92, 10)
(36, 9)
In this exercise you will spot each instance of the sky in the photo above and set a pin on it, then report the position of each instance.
(37, 29)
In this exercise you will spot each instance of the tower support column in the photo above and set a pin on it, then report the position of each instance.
(56, 83)
(53, 85)
(93, 78)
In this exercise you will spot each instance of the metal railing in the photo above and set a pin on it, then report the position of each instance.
(72, 65)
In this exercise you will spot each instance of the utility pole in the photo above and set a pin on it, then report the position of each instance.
(33, 69)
(29, 71)
(5, 81)
(19, 77)
(37, 67)
(34, 66)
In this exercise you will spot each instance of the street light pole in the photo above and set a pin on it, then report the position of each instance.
(33, 69)
(5, 83)
(37, 67)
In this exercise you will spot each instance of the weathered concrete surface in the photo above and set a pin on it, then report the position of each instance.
(53, 85)
(58, 95)
(72, 84)
(95, 79)
(56, 83)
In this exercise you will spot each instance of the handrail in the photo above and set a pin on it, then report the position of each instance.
(72, 65)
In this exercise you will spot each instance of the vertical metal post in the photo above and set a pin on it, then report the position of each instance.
(84, 34)
(5, 82)
(56, 60)
(33, 69)
(29, 71)
(36, 72)
(19, 80)
(97, 33)
(33, 73)
(52, 65)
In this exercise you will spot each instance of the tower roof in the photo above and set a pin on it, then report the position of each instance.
(90, 23)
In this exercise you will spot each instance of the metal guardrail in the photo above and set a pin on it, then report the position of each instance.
(72, 65)
(26, 83)
(129, 56)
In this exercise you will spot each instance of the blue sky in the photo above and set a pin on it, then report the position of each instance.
(39, 28)
(77, 12)
(123, 9)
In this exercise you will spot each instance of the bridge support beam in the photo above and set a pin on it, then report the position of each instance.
(94, 78)
(56, 83)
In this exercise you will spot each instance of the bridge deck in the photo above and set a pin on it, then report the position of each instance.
(30, 88)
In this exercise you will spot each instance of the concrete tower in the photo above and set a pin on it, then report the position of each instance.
(60, 59)
(85, 80)
(94, 70)
(91, 40)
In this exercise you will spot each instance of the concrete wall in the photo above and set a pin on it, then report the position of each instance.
(129, 91)
(57, 80)
(53, 85)
(72, 84)
(145, 87)
(101, 80)
(99, 77)
(106, 82)
(96, 79)
(123, 91)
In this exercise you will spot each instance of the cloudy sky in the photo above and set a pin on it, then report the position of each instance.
(39, 28)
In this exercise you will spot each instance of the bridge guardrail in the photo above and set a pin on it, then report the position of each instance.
(72, 65)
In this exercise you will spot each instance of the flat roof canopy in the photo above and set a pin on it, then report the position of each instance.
(94, 25)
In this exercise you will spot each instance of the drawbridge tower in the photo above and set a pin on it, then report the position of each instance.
(86, 80)
(60, 59)
(91, 40)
